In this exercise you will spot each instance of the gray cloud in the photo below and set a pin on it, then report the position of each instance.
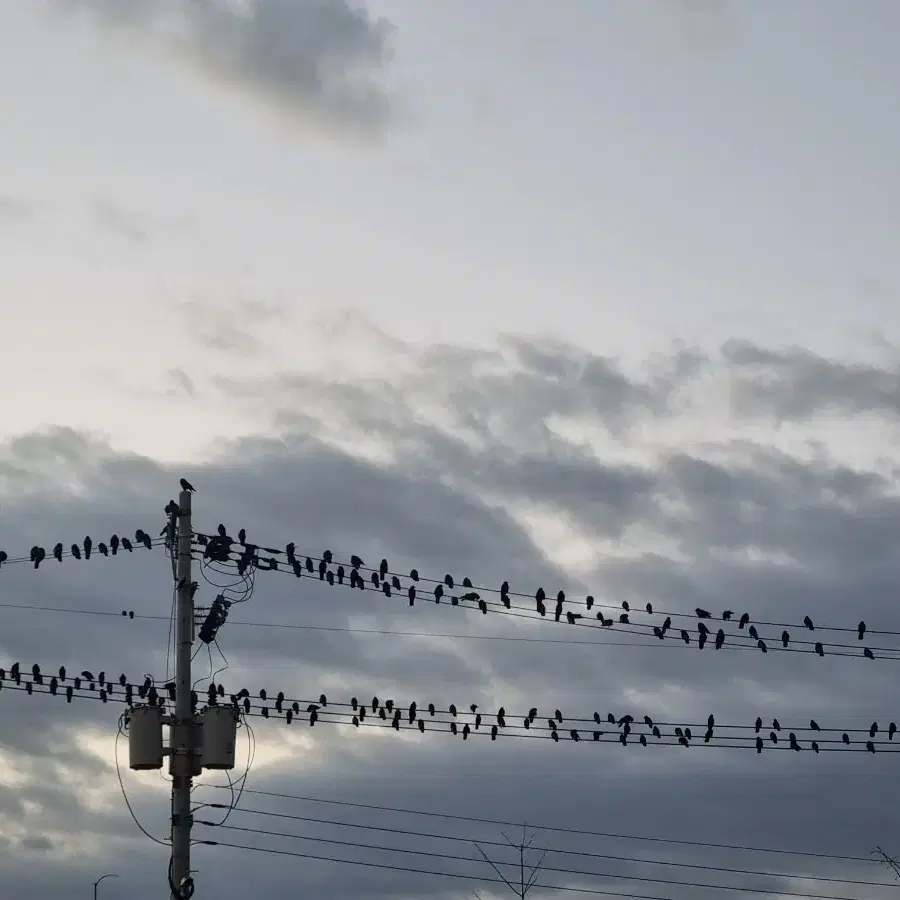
(525, 383)
(796, 385)
(14, 210)
(312, 61)
(748, 527)
(116, 220)
(229, 327)
(180, 383)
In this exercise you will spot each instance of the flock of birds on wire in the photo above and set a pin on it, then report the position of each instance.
(465, 722)
(247, 557)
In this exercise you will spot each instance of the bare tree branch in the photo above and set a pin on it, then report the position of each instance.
(888, 860)
(490, 862)
(526, 881)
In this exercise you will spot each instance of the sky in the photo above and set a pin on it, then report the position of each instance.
(593, 296)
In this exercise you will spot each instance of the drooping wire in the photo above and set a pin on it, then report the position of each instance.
(240, 783)
(120, 732)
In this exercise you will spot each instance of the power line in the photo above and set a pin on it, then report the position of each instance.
(557, 850)
(221, 549)
(431, 854)
(502, 823)
(397, 868)
(345, 629)
(38, 555)
(347, 718)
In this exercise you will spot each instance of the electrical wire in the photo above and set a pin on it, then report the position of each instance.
(581, 873)
(344, 716)
(120, 733)
(137, 546)
(470, 596)
(655, 645)
(547, 850)
(240, 782)
(453, 875)
(555, 829)
(745, 642)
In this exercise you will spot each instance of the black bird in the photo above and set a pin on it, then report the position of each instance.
(860, 630)
(186, 485)
(785, 639)
(702, 613)
(58, 552)
(814, 725)
(808, 622)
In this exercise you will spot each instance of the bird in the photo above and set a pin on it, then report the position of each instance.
(186, 485)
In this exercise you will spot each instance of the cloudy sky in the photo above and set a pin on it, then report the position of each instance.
(594, 296)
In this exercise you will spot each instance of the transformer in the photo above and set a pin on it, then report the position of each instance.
(219, 736)
(145, 738)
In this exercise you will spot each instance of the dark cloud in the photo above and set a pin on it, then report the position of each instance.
(474, 461)
(314, 61)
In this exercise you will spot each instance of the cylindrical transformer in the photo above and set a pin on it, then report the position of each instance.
(219, 737)
(145, 738)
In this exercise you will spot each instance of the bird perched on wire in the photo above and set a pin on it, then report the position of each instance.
(186, 485)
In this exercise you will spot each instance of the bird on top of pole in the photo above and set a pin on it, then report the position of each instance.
(186, 485)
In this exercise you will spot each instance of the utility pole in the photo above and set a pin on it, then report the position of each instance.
(182, 745)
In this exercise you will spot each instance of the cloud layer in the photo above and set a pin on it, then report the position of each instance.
(539, 463)
(311, 61)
